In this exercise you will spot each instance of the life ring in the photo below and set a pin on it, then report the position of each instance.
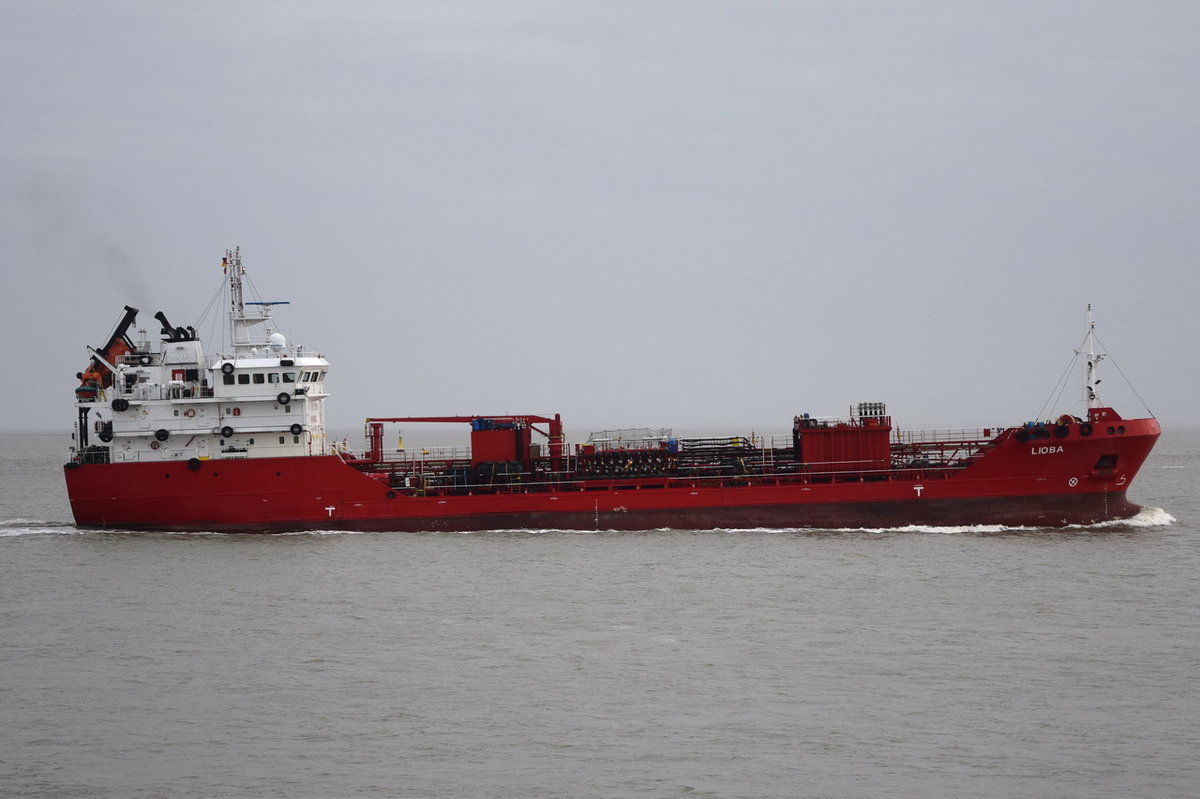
(190, 412)
(227, 368)
(1085, 429)
(296, 429)
(155, 445)
(237, 411)
(284, 398)
(162, 434)
(120, 404)
(226, 432)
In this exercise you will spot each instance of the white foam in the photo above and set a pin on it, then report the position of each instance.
(1146, 517)
(16, 527)
(324, 532)
(946, 530)
(534, 531)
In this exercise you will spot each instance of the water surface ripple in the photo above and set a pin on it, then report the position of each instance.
(935, 663)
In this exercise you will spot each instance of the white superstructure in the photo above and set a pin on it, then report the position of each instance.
(169, 401)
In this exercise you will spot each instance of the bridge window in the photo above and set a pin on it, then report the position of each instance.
(273, 377)
(243, 380)
(227, 379)
(289, 377)
(259, 377)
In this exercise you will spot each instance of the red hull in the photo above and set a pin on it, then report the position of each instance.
(1077, 480)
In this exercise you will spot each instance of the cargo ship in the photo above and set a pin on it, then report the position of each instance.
(167, 437)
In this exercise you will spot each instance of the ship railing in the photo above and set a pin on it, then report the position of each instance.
(916, 436)
(436, 483)
(632, 438)
(942, 435)
(144, 392)
(427, 455)
(156, 456)
(443, 485)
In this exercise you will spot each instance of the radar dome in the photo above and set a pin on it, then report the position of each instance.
(278, 341)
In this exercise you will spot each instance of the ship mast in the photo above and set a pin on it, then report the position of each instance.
(1092, 360)
(233, 268)
(240, 323)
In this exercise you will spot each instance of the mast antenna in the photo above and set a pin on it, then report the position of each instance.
(233, 267)
(239, 324)
(1091, 362)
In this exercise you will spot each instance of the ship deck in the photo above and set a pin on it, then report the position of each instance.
(917, 456)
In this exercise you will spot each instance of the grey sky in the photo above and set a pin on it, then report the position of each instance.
(633, 213)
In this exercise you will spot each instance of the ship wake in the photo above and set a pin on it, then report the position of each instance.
(1147, 517)
(14, 527)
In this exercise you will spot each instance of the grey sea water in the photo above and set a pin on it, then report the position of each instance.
(806, 663)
